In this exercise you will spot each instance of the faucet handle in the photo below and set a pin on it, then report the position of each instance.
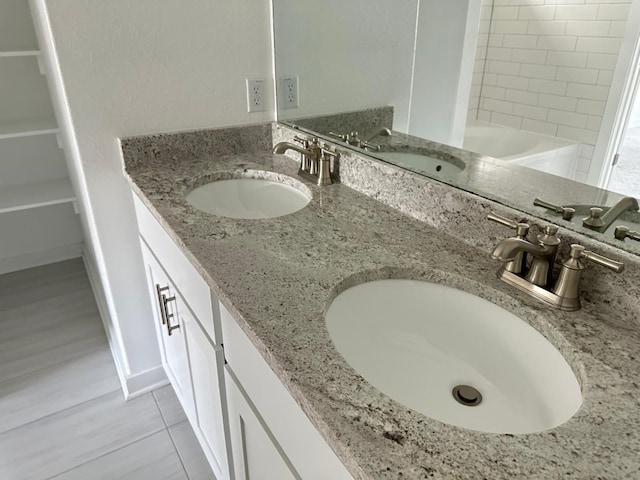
(594, 220)
(578, 252)
(302, 141)
(324, 167)
(370, 146)
(522, 229)
(342, 136)
(567, 212)
(518, 263)
(621, 232)
(568, 283)
(306, 142)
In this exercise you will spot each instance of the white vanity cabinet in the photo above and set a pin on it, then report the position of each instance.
(188, 338)
(271, 436)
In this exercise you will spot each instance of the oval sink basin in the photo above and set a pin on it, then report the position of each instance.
(248, 198)
(424, 163)
(424, 344)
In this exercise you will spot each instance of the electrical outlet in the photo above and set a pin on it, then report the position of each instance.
(289, 91)
(255, 95)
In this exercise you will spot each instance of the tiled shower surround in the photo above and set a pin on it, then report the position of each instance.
(546, 66)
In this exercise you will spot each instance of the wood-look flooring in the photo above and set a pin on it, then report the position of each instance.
(62, 413)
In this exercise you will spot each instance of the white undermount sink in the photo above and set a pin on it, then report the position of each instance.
(419, 342)
(248, 198)
(425, 163)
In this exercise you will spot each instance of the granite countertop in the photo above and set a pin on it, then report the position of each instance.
(277, 277)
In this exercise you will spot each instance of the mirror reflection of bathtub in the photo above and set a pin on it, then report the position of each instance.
(553, 155)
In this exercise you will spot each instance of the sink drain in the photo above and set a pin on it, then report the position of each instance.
(466, 395)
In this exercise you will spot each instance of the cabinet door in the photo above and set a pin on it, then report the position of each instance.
(169, 312)
(256, 453)
(207, 362)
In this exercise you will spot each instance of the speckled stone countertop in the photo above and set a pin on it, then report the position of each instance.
(277, 277)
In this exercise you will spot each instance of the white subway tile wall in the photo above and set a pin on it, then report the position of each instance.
(547, 65)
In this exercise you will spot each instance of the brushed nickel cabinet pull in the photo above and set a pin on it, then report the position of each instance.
(171, 328)
(161, 303)
(169, 316)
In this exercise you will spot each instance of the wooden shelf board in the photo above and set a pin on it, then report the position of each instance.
(28, 127)
(32, 195)
(19, 53)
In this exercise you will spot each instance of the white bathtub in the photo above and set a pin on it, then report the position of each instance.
(553, 155)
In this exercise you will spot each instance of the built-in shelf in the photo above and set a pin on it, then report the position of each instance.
(33, 195)
(19, 53)
(28, 127)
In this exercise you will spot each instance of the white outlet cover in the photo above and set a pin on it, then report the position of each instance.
(289, 91)
(255, 95)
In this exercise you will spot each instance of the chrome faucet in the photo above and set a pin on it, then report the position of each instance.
(536, 277)
(315, 160)
(599, 220)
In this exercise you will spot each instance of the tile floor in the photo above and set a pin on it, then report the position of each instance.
(62, 413)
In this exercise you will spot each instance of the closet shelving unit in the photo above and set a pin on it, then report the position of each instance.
(39, 221)
(33, 171)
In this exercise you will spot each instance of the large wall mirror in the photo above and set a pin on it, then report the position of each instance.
(542, 93)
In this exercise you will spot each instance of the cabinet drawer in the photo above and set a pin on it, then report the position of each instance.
(191, 286)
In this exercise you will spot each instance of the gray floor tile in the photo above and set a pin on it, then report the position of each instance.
(153, 458)
(193, 459)
(64, 385)
(169, 404)
(41, 283)
(55, 369)
(51, 331)
(61, 441)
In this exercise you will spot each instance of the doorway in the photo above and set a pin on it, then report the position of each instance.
(616, 160)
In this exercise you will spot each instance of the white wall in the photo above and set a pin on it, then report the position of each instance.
(132, 67)
(347, 55)
(444, 56)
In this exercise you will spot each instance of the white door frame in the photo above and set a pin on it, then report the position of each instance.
(619, 102)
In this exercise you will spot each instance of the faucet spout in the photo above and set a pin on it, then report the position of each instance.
(507, 249)
(623, 205)
(282, 147)
(384, 131)
(600, 222)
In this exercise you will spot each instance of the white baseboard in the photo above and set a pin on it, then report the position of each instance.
(145, 382)
(44, 257)
(132, 385)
